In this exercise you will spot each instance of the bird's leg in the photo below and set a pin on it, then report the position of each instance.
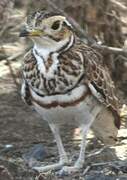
(81, 159)
(62, 153)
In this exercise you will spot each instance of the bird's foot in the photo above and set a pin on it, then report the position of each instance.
(52, 167)
(67, 170)
(57, 166)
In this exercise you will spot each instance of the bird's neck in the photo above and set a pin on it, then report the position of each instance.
(45, 50)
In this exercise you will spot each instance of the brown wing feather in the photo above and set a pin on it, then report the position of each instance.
(97, 74)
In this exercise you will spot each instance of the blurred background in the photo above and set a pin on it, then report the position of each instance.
(102, 24)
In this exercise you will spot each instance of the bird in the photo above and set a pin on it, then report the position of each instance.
(65, 81)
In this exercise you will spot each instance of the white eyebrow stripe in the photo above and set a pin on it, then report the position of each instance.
(68, 23)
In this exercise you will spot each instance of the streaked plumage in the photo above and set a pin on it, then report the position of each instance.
(65, 80)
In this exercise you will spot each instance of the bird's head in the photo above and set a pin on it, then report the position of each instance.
(47, 29)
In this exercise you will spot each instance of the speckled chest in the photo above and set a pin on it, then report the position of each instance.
(58, 73)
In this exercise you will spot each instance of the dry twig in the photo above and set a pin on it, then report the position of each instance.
(108, 49)
(86, 170)
(96, 152)
(119, 5)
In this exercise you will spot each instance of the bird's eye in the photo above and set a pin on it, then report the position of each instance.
(55, 25)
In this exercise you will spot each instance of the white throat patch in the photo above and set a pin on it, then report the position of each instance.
(47, 46)
(42, 53)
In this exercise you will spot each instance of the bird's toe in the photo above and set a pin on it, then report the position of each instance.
(67, 170)
(52, 167)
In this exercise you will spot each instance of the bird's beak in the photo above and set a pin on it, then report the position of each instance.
(25, 33)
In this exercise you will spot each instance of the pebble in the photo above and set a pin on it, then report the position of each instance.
(37, 152)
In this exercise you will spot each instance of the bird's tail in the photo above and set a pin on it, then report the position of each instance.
(104, 127)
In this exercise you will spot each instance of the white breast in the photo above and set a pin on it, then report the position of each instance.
(81, 113)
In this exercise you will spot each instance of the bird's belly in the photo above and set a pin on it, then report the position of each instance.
(77, 107)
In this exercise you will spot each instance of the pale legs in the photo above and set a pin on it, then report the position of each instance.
(85, 124)
(64, 170)
(63, 156)
(81, 159)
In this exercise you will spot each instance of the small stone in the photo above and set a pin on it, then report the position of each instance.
(37, 152)
(8, 146)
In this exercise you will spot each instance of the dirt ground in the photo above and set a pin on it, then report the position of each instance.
(21, 128)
